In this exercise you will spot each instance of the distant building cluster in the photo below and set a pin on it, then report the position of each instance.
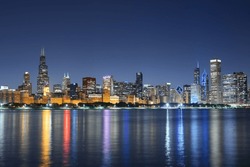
(213, 89)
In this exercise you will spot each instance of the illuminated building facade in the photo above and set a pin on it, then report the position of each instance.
(186, 94)
(65, 83)
(195, 93)
(73, 91)
(197, 74)
(215, 96)
(139, 84)
(26, 83)
(242, 92)
(43, 78)
(107, 88)
(89, 85)
(204, 87)
(229, 86)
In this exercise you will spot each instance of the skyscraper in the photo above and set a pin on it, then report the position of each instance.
(215, 87)
(89, 85)
(186, 94)
(65, 82)
(197, 74)
(107, 88)
(229, 86)
(242, 95)
(27, 86)
(43, 78)
(139, 84)
(204, 87)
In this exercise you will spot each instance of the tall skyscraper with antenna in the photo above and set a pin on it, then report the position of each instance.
(43, 78)
(65, 82)
(197, 74)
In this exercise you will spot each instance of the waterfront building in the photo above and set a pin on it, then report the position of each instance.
(124, 88)
(107, 88)
(186, 94)
(43, 77)
(175, 97)
(197, 74)
(215, 87)
(242, 94)
(195, 93)
(229, 87)
(73, 91)
(26, 83)
(139, 85)
(168, 90)
(204, 87)
(89, 85)
(65, 83)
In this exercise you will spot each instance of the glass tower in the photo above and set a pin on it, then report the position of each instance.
(139, 84)
(215, 87)
(43, 78)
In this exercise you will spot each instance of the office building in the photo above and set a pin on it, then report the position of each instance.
(139, 84)
(197, 74)
(186, 94)
(43, 77)
(89, 85)
(65, 83)
(195, 93)
(215, 96)
(204, 87)
(26, 83)
(242, 92)
(229, 86)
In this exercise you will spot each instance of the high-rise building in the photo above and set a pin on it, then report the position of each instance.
(65, 82)
(89, 85)
(107, 88)
(139, 84)
(229, 87)
(26, 86)
(108, 83)
(43, 77)
(215, 96)
(73, 91)
(197, 74)
(195, 93)
(204, 87)
(168, 92)
(242, 94)
(187, 94)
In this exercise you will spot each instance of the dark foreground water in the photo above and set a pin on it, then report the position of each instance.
(125, 138)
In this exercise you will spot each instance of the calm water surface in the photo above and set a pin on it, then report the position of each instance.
(125, 138)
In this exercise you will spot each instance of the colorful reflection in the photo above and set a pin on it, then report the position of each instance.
(215, 138)
(46, 138)
(2, 123)
(168, 139)
(125, 137)
(66, 137)
(180, 138)
(24, 130)
(74, 134)
(106, 137)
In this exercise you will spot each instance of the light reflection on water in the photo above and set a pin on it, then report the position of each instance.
(125, 138)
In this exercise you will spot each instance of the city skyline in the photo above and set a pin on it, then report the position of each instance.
(163, 40)
(196, 76)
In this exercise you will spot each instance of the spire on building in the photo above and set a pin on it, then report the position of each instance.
(42, 52)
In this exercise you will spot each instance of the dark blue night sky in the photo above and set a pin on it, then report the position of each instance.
(163, 39)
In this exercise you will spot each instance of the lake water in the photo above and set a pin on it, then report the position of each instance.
(125, 138)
